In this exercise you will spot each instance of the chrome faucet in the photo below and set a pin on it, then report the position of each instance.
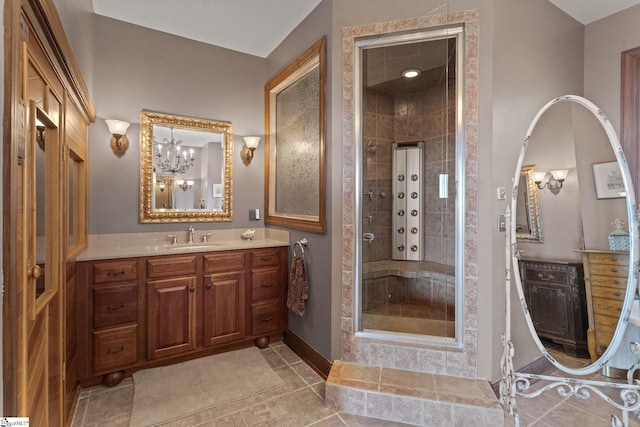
(191, 231)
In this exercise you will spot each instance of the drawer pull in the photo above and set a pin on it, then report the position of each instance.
(614, 270)
(114, 307)
(267, 285)
(617, 294)
(266, 258)
(208, 286)
(619, 309)
(614, 258)
(266, 318)
(115, 350)
(546, 279)
(115, 273)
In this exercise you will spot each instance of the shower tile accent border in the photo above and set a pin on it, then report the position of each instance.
(457, 362)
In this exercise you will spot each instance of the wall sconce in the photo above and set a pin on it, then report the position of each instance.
(40, 128)
(119, 142)
(555, 178)
(250, 144)
(162, 185)
(185, 185)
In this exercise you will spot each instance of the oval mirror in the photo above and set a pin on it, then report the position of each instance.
(185, 168)
(577, 286)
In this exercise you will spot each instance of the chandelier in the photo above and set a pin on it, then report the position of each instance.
(174, 160)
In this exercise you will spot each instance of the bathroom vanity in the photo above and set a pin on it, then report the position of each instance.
(169, 303)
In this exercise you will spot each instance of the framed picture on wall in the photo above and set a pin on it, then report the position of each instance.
(608, 180)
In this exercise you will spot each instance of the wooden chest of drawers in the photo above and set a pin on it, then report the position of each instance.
(607, 273)
(556, 298)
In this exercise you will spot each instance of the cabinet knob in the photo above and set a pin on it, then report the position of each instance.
(208, 286)
(192, 289)
(35, 272)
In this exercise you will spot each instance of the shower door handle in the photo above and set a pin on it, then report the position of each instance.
(368, 237)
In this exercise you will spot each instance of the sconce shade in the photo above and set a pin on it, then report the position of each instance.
(119, 142)
(560, 174)
(252, 141)
(117, 127)
(250, 144)
(538, 176)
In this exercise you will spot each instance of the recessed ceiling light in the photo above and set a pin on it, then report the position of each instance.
(410, 73)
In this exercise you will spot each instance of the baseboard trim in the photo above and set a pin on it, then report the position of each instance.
(307, 353)
(540, 366)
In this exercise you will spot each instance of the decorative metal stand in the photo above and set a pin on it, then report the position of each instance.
(515, 383)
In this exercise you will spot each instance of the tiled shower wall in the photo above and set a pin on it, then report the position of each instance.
(424, 116)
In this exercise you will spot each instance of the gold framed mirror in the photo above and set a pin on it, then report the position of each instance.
(186, 169)
(527, 217)
(295, 121)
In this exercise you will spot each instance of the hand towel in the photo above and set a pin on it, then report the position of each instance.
(298, 286)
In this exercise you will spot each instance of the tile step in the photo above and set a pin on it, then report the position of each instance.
(415, 398)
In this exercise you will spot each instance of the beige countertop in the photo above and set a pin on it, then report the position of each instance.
(129, 245)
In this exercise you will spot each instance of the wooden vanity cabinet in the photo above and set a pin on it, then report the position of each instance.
(171, 305)
(556, 299)
(116, 331)
(158, 310)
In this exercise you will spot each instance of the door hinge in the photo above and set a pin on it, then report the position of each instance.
(64, 371)
(64, 152)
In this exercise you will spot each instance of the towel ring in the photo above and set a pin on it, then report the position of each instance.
(302, 243)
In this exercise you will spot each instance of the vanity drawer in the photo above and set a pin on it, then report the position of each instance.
(264, 283)
(115, 271)
(614, 293)
(607, 307)
(115, 304)
(264, 317)
(226, 261)
(115, 348)
(609, 270)
(171, 266)
(608, 258)
(265, 257)
(609, 281)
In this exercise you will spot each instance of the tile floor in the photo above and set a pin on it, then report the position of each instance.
(300, 402)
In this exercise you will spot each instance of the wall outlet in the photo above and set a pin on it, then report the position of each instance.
(502, 222)
(254, 214)
(502, 193)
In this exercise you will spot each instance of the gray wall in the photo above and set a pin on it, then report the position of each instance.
(137, 68)
(315, 326)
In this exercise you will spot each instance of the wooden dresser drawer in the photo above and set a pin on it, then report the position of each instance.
(264, 317)
(265, 257)
(115, 304)
(115, 271)
(614, 293)
(224, 261)
(609, 270)
(607, 307)
(171, 266)
(264, 283)
(609, 281)
(115, 348)
(608, 258)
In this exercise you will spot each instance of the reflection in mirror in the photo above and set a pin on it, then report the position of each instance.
(527, 217)
(40, 203)
(186, 168)
(575, 284)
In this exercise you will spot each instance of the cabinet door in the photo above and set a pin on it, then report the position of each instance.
(550, 306)
(170, 316)
(224, 308)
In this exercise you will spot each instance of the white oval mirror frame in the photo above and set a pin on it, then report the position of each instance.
(633, 236)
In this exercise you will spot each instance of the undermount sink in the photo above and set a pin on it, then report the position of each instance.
(196, 246)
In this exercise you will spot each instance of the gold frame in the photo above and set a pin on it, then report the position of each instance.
(313, 57)
(533, 207)
(148, 215)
